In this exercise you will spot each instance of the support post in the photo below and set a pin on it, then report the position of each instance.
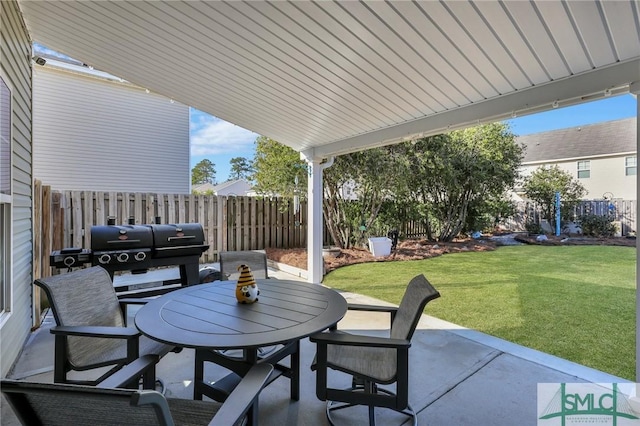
(315, 223)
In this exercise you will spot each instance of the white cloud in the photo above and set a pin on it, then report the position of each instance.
(212, 136)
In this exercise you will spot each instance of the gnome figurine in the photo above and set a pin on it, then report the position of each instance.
(247, 289)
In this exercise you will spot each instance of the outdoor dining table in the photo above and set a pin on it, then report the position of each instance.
(208, 317)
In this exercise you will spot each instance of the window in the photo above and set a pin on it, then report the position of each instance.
(584, 169)
(5, 196)
(630, 168)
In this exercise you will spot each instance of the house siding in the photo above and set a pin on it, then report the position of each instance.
(605, 145)
(97, 134)
(15, 57)
(607, 175)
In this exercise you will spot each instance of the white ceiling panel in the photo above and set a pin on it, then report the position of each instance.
(330, 77)
(621, 19)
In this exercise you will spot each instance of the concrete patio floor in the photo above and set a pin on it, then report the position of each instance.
(458, 376)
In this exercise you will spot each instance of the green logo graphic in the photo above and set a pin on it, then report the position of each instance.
(585, 402)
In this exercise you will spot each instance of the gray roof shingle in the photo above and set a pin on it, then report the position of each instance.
(611, 137)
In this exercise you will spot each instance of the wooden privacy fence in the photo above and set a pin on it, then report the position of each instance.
(624, 211)
(64, 219)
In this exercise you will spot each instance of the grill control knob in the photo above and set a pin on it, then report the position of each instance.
(123, 257)
(140, 256)
(104, 259)
(69, 261)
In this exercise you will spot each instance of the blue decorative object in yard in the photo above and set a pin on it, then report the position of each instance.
(557, 213)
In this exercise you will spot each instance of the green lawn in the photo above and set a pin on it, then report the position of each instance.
(576, 302)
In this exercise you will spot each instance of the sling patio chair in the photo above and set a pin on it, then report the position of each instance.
(255, 260)
(373, 362)
(106, 404)
(91, 330)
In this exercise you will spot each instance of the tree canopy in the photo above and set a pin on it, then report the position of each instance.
(203, 172)
(276, 167)
(355, 188)
(452, 182)
(457, 174)
(241, 168)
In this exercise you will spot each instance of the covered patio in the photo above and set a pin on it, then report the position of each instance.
(328, 78)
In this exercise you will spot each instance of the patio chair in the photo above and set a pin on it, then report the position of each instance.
(373, 361)
(91, 330)
(255, 260)
(68, 404)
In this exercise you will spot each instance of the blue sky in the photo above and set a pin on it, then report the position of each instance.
(220, 141)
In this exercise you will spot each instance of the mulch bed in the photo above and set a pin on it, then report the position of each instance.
(565, 240)
(423, 249)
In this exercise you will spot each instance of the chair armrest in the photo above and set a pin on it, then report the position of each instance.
(371, 308)
(134, 301)
(150, 292)
(393, 310)
(96, 331)
(345, 339)
(243, 396)
(129, 372)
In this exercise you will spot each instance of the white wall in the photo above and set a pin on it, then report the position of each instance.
(91, 133)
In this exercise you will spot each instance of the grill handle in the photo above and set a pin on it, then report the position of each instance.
(186, 237)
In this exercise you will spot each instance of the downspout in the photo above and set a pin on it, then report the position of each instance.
(328, 163)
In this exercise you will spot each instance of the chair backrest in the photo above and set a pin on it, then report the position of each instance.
(84, 297)
(418, 293)
(62, 404)
(230, 260)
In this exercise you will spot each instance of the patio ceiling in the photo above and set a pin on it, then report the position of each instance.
(333, 77)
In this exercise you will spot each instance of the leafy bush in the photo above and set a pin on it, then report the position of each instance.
(597, 226)
(533, 227)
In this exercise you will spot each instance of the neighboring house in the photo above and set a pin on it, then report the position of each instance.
(95, 132)
(238, 187)
(602, 156)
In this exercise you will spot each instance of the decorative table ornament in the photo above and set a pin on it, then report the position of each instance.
(246, 289)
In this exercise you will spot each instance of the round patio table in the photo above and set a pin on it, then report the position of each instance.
(208, 317)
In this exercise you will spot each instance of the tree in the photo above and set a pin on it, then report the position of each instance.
(543, 183)
(240, 168)
(455, 174)
(277, 168)
(203, 172)
(370, 176)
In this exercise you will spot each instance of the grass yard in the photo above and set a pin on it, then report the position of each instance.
(575, 302)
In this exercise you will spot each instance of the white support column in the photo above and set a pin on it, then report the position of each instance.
(315, 222)
(315, 264)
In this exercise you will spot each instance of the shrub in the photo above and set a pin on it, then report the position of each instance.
(533, 227)
(597, 226)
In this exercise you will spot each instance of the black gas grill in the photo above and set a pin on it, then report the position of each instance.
(137, 248)
(122, 247)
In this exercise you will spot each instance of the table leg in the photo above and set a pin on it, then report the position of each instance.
(198, 376)
(251, 355)
(295, 373)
